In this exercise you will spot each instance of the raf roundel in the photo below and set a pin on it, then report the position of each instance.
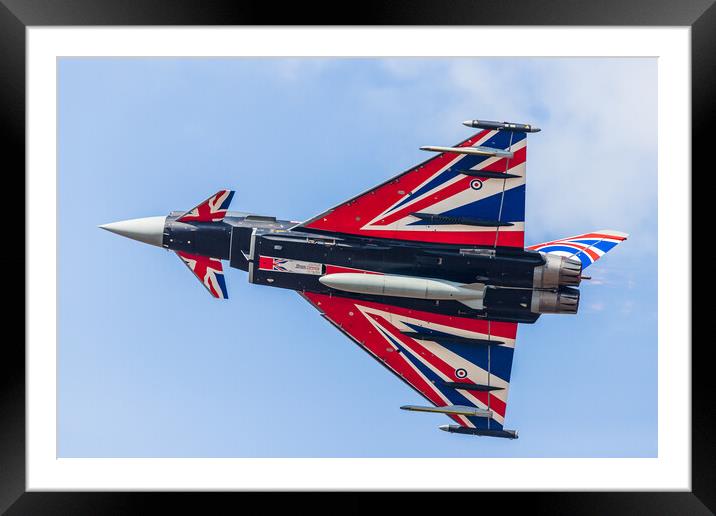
(461, 373)
(476, 184)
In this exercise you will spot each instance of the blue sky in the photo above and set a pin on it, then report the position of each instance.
(151, 366)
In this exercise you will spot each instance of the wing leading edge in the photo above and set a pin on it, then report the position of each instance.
(445, 199)
(454, 362)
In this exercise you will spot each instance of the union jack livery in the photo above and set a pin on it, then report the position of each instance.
(211, 210)
(284, 265)
(451, 361)
(427, 272)
(453, 198)
(209, 271)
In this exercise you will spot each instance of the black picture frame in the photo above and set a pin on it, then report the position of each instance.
(17, 15)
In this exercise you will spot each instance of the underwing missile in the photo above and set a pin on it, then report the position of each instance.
(477, 151)
(501, 126)
(459, 410)
(455, 429)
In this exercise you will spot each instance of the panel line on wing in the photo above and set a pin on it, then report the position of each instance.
(442, 362)
(431, 367)
(499, 213)
(394, 343)
(489, 366)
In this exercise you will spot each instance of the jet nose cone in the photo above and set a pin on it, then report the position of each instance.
(149, 230)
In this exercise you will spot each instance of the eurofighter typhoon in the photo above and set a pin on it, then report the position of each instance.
(428, 272)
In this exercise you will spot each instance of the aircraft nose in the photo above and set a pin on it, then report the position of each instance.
(149, 230)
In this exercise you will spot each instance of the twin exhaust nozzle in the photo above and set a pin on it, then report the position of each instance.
(557, 271)
(556, 278)
(562, 301)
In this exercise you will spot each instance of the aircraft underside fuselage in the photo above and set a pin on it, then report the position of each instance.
(508, 284)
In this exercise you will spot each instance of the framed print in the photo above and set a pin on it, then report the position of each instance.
(134, 377)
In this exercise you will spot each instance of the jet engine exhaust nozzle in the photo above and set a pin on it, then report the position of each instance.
(557, 271)
(562, 301)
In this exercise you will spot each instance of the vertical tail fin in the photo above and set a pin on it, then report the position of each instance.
(588, 247)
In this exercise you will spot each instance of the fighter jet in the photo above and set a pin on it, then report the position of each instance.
(427, 272)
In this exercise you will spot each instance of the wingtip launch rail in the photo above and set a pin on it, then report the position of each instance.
(501, 126)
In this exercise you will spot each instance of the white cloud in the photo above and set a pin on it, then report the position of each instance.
(593, 165)
(300, 69)
(596, 307)
(627, 307)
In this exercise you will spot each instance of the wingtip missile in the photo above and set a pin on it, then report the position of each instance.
(455, 429)
(501, 126)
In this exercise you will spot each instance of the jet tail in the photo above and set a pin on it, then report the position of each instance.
(587, 248)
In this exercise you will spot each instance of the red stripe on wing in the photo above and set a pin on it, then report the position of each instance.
(369, 205)
(345, 313)
(202, 268)
(495, 404)
(519, 157)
